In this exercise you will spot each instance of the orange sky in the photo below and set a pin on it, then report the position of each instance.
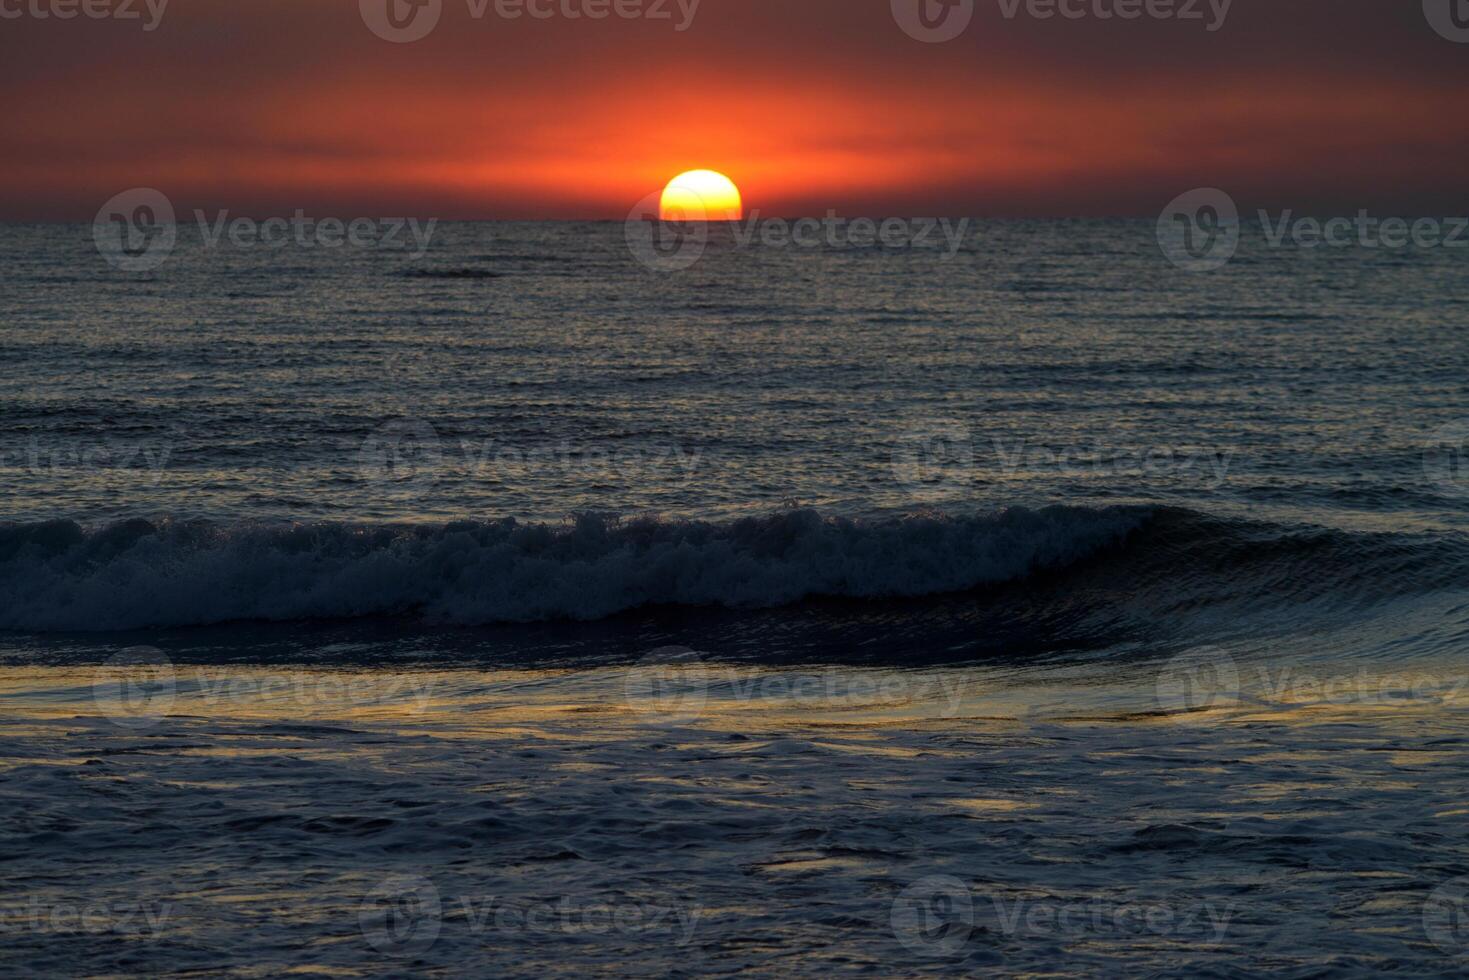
(266, 106)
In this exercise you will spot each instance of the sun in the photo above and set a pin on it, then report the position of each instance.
(701, 195)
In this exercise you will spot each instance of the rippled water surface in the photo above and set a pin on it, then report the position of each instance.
(1066, 361)
(514, 610)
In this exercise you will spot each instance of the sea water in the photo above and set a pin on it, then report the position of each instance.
(515, 608)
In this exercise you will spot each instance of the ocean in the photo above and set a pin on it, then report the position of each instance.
(520, 606)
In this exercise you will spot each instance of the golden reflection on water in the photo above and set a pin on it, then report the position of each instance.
(506, 701)
(991, 806)
(495, 773)
(853, 703)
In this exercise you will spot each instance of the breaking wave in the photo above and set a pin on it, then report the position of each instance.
(58, 576)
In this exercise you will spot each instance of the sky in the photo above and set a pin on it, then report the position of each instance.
(264, 107)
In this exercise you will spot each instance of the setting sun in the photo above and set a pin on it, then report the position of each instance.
(701, 195)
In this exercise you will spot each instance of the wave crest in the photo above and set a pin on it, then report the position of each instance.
(57, 576)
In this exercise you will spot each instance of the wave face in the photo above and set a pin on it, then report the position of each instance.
(56, 576)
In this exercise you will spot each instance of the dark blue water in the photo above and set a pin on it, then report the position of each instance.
(779, 586)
